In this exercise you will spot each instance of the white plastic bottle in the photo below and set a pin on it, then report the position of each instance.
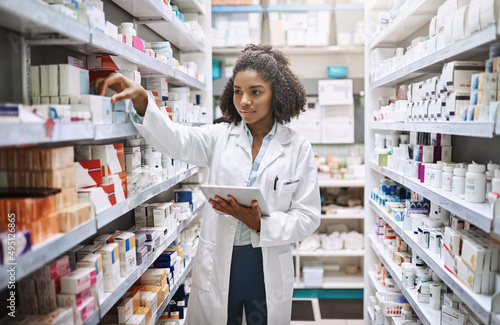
(490, 172)
(475, 183)
(447, 178)
(406, 313)
(495, 182)
(438, 175)
(459, 181)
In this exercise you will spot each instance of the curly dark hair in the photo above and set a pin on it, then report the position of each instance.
(288, 93)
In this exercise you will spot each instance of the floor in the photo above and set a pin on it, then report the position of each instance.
(317, 317)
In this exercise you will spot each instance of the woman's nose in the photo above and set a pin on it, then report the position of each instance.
(245, 100)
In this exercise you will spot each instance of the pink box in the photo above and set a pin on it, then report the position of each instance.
(73, 301)
(138, 43)
(53, 270)
(78, 281)
(84, 311)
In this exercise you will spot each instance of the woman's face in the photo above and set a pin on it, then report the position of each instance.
(252, 98)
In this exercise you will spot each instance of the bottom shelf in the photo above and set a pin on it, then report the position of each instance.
(336, 280)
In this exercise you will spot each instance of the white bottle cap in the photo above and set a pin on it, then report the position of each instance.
(459, 172)
(476, 168)
(448, 169)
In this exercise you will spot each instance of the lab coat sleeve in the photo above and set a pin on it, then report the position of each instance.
(304, 215)
(193, 145)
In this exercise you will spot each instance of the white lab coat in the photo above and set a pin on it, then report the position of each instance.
(295, 208)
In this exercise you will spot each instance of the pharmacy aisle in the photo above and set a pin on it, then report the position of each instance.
(96, 226)
(429, 126)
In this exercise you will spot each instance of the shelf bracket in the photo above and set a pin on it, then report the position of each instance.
(25, 51)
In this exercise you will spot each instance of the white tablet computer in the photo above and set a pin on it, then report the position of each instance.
(243, 195)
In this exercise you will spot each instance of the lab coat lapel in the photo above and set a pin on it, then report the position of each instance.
(242, 138)
(275, 149)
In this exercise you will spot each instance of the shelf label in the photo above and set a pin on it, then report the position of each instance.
(444, 201)
(457, 208)
(49, 128)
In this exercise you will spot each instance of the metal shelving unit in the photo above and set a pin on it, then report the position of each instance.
(481, 304)
(153, 13)
(461, 50)
(45, 252)
(189, 6)
(479, 214)
(289, 50)
(472, 129)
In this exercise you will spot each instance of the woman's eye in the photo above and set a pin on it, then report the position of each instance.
(237, 92)
(256, 92)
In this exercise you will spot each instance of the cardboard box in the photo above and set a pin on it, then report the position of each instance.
(60, 316)
(454, 102)
(88, 173)
(161, 214)
(103, 239)
(72, 217)
(91, 260)
(457, 74)
(73, 300)
(110, 265)
(97, 197)
(450, 316)
(126, 245)
(473, 255)
(468, 277)
(109, 62)
(66, 198)
(78, 281)
(146, 311)
(111, 156)
(73, 81)
(156, 277)
(53, 270)
(56, 158)
(84, 311)
(452, 241)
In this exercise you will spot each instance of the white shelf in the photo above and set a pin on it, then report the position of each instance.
(416, 15)
(153, 14)
(45, 252)
(114, 131)
(393, 269)
(342, 216)
(34, 17)
(377, 286)
(336, 280)
(327, 181)
(479, 214)
(472, 129)
(396, 225)
(324, 253)
(189, 6)
(166, 301)
(130, 203)
(427, 315)
(463, 49)
(289, 50)
(14, 134)
(480, 304)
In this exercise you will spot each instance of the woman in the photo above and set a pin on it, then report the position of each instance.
(243, 261)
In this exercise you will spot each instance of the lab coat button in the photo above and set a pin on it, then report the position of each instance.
(233, 227)
(224, 293)
(228, 260)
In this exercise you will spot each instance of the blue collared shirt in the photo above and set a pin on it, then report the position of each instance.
(242, 236)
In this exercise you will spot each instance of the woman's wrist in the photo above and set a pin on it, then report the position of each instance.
(141, 102)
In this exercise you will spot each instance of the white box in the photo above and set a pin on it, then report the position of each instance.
(450, 316)
(457, 75)
(84, 311)
(108, 155)
(78, 281)
(44, 81)
(451, 241)
(161, 214)
(470, 278)
(110, 265)
(54, 81)
(460, 24)
(73, 81)
(35, 81)
(473, 17)
(126, 246)
(313, 276)
(160, 85)
(454, 101)
(72, 300)
(60, 316)
(473, 254)
(488, 13)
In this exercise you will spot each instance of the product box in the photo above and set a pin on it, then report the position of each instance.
(111, 156)
(110, 265)
(159, 85)
(47, 302)
(109, 62)
(84, 311)
(451, 241)
(184, 195)
(145, 311)
(161, 214)
(56, 158)
(97, 197)
(73, 216)
(73, 81)
(156, 277)
(73, 300)
(128, 305)
(457, 75)
(454, 102)
(470, 278)
(91, 260)
(473, 255)
(53, 270)
(450, 316)
(88, 173)
(78, 281)
(60, 316)
(126, 245)
(73, 256)
(27, 286)
(103, 239)
(88, 249)
(66, 198)
(132, 159)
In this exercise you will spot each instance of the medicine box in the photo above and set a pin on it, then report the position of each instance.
(60, 316)
(110, 265)
(88, 249)
(91, 260)
(451, 241)
(156, 277)
(111, 156)
(103, 239)
(84, 311)
(161, 214)
(78, 281)
(450, 316)
(234, 27)
(126, 245)
(109, 62)
(73, 300)
(53, 270)
(457, 75)
(88, 173)
(468, 277)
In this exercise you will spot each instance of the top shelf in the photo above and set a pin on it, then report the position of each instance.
(299, 50)
(35, 18)
(416, 15)
(154, 14)
(190, 6)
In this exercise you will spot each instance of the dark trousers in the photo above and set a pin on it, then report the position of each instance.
(246, 287)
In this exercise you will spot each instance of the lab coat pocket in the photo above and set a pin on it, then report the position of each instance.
(286, 265)
(289, 187)
(203, 264)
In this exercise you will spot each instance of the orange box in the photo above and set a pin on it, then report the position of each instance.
(156, 290)
(146, 311)
(56, 158)
(33, 161)
(123, 178)
(66, 198)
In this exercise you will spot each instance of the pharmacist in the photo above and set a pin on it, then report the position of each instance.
(243, 260)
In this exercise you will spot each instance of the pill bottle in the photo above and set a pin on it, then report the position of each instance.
(447, 178)
(404, 138)
(495, 182)
(380, 140)
(406, 313)
(475, 183)
(437, 175)
(435, 299)
(458, 181)
(490, 173)
(127, 29)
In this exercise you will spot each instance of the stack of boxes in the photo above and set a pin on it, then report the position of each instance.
(76, 287)
(111, 186)
(111, 266)
(133, 166)
(126, 248)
